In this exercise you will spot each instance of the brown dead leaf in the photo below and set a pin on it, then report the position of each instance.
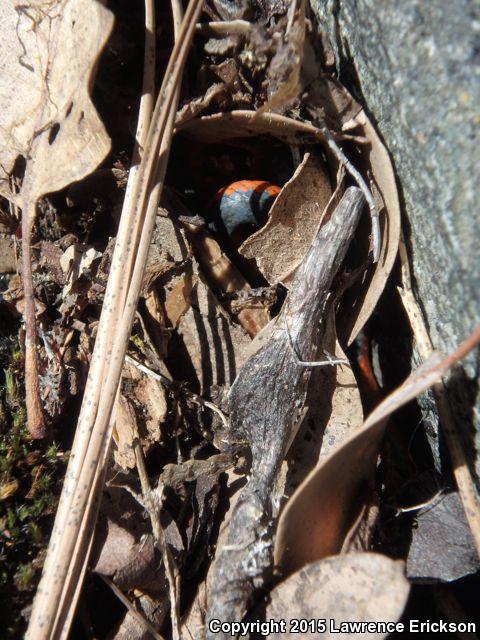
(154, 609)
(130, 563)
(281, 245)
(335, 103)
(359, 302)
(151, 397)
(195, 107)
(75, 261)
(169, 249)
(178, 298)
(283, 75)
(151, 609)
(325, 502)
(8, 254)
(48, 52)
(442, 546)
(243, 124)
(174, 475)
(360, 587)
(116, 550)
(124, 434)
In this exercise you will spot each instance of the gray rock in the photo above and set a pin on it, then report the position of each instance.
(418, 72)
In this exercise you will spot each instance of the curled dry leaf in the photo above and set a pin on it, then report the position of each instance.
(330, 492)
(364, 587)
(243, 124)
(359, 303)
(174, 475)
(116, 549)
(281, 245)
(154, 609)
(48, 53)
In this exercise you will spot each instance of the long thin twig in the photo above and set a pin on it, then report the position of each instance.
(76, 513)
(357, 176)
(461, 471)
(151, 502)
(136, 614)
(35, 416)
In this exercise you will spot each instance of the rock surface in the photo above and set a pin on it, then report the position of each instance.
(417, 67)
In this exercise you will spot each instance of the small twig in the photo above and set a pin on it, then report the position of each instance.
(136, 614)
(230, 27)
(291, 16)
(357, 176)
(267, 405)
(428, 503)
(151, 499)
(35, 416)
(171, 385)
(72, 533)
(315, 363)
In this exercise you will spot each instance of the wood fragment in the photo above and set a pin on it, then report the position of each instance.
(266, 408)
(35, 416)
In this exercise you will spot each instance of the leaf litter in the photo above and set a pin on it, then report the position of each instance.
(224, 401)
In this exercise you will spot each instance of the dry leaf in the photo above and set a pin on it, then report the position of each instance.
(359, 587)
(75, 261)
(244, 124)
(359, 302)
(283, 75)
(336, 104)
(48, 53)
(281, 245)
(116, 550)
(328, 493)
(169, 249)
(195, 107)
(151, 397)
(124, 434)
(8, 257)
(174, 475)
(154, 609)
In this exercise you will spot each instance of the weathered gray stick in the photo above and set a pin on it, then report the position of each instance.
(266, 404)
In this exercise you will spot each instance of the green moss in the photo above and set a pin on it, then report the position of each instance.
(30, 476)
